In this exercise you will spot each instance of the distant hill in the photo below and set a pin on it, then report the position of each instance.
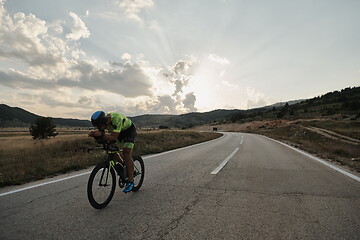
(18, 117)
(337, 105)
(187, 120)
(281, 104)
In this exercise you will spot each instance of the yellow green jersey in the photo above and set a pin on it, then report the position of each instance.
(119, 122)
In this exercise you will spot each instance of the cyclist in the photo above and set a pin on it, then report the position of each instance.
(122, 129)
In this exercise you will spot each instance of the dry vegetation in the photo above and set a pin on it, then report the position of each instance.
(22, 159)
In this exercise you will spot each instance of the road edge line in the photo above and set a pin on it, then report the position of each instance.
(42, 184)
(78, 175)
(356, 178)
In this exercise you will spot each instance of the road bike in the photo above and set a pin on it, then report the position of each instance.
(102, 181)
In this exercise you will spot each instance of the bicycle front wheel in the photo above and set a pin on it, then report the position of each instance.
(139, 173)
(101, 186)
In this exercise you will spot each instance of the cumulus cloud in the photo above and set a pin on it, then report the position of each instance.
(164, 103)
(55, 71)
(79, 29)
(129, 82)
(189, 102)
(179, 76)
(217, 59)
(77, 53)
(256, 99)
(25, 38)
(54, 62)
(182, 67)
(133, 8)
(55, 27)
(126, 56)
(45, 101)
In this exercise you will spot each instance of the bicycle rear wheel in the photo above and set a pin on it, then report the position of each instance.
(139, 173)
(101, 186)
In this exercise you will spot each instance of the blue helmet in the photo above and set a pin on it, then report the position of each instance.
(98, 119)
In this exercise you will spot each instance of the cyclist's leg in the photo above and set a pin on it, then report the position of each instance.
(129, 163)
(128, 136)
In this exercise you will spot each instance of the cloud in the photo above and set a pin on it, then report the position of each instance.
(25, 38)
(129, 82)
(55, 72)
(179, 76)
(85, 100)
(2, 10)
(229, 85)
(126, 56)
(55, 27)
(54, 63)
(189, 102)
(181, 73)
(79, 29)
(182, 67)
(256, 99)
(48, 103)
(217, 59)
(133, 8)
(77, 54)
(165, 104)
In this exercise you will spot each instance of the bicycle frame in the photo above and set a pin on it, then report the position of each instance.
(102, 180)
(107, 175)
(111, 151)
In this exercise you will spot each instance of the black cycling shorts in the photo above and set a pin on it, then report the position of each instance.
(128, 136)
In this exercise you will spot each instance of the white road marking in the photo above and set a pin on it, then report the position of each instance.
(42, 184)
(216, 170)
(356, 178)
(178, 149)
(78, 175)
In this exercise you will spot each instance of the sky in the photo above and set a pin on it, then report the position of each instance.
(71, 58)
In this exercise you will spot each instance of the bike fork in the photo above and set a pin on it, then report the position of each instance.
(111, 164)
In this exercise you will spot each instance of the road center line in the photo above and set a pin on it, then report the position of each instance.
(216, 170)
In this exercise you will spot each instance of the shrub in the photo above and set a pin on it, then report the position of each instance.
(43, 128)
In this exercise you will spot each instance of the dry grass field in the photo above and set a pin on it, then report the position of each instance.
(23, 159)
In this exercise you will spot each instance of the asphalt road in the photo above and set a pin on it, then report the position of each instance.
(265, 191)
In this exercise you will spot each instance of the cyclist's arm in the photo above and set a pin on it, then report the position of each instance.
(111, 137)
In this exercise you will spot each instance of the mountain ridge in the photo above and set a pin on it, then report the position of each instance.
(345, 101)
(18, 117)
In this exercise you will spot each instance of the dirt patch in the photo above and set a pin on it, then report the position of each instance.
(333, 135)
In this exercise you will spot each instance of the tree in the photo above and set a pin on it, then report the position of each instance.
(43, 128)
